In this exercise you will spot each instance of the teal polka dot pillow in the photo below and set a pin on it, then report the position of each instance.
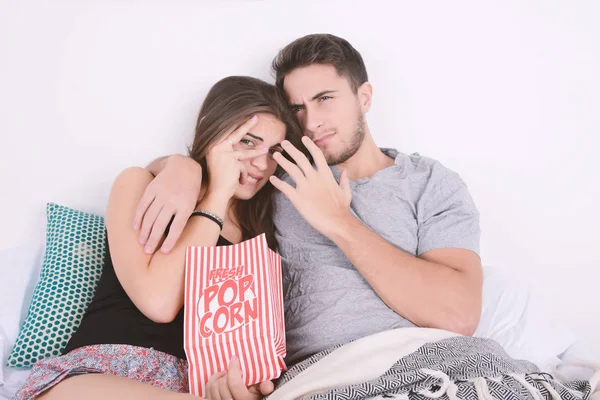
(72, 266)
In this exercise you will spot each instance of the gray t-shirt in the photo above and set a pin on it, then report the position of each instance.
(417, 205)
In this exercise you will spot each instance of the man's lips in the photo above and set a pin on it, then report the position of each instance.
(323, 139)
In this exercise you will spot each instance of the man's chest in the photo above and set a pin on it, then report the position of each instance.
(389, 212)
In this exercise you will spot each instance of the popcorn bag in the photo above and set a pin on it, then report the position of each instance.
(233, 306)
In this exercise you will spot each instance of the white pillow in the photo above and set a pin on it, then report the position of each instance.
(2, 360)
(514, 315)
(19, 269)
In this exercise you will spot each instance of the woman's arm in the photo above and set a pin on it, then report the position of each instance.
(154, 282)
(157, 166)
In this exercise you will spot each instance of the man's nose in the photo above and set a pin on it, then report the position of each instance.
(313, 121)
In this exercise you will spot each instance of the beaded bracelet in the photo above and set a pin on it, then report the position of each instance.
(209, 215)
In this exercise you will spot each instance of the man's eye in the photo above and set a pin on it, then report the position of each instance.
(322, 98)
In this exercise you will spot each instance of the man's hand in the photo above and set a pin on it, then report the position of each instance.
(230, 385)
(172, 194)
(317, 196)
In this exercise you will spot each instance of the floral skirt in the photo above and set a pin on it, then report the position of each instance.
(138, 363)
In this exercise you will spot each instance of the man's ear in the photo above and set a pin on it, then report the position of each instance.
(365, 96)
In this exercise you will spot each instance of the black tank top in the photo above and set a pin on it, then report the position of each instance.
(112, 318)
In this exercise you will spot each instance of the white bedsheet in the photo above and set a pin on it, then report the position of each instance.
(576, 363)
(13, 380)
(379, 352)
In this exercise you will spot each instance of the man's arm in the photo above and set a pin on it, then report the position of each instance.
(169, 198)
(156, 166)
(440, 289)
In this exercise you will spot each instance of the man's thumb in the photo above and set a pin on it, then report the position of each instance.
(345, 183)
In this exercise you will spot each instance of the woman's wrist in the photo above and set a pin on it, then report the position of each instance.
(215, 201)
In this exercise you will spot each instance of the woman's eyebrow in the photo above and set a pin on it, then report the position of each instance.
(255, 137)
(262, 140)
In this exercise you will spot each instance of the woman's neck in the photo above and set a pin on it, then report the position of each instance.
(231, 227)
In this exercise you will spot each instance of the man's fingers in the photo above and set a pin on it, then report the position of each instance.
(148, 222)
(345, 184)
(316, 153)
(175, 231)
(158, 229)
(289, 167)
(284, 187)
(299, 157)
(142, 207)
(240, 132)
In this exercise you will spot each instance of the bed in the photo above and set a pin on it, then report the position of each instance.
(514, 315)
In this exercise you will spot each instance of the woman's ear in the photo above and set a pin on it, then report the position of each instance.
(365, 96)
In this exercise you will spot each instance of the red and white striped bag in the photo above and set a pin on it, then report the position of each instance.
(233, 306)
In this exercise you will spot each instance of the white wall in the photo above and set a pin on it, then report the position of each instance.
(506, 93)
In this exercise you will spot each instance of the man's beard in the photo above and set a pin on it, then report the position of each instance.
(355, 142)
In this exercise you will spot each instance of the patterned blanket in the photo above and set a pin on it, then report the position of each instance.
(420, 363)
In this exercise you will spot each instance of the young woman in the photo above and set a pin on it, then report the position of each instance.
(129, 344)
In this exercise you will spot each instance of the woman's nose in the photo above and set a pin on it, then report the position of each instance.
(261, 161)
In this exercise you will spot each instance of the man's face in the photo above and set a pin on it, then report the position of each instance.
(328, 110)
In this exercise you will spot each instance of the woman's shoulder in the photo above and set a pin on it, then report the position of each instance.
(131, 174)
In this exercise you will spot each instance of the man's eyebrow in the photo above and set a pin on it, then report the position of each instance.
(315, 97)
(255, 137)
(323, 93)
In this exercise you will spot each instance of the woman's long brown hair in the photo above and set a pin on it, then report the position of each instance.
(230, 103)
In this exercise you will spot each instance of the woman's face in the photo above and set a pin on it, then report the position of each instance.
(267, 134)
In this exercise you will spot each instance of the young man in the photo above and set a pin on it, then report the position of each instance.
(371, 239)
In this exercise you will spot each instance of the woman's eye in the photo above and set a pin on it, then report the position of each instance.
(274, 150)
(247, 142)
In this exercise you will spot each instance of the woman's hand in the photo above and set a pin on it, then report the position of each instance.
(224, 163)
(230, 385)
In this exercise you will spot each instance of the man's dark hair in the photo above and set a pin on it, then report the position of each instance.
(321, 49)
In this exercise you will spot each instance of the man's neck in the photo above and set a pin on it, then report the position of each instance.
(367, 160)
